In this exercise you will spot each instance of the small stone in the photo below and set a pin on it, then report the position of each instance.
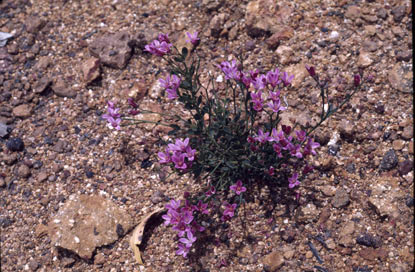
(288, 235)
(10, 159)
(382, 13)
(41, 230)
(89, 174)
(411, 147)
(389, 161)
(4, 130)
(368, 240)
(309, 254)
(341, 198)
(405, 55)
(401, 78)
(353, 12)
(370, 30)
(347, 131)
(364, 60)
(100, 259)
(43, 84)
(405, 167)
(216, 24)
(91, 70)
(60, 88)
(285, 54)
(15, 144)
(351, 168)
(370, 46)
(273, 261)
(34, 24)
(23, 111)
(328, 190)
(398, 144)
(67, 262)
(408, 133)
(157, 197)
(288, 254)
(398, 13)
(368, 254)
(275, 40)
(33, 265)
(212, 5)
(23, 171)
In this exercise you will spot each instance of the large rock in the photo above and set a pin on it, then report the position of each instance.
(113, 49)
(60, 88)
(273, 261)
(401, 78)
(91, 70)
(263, 17)
(87, 222)
(23, 110)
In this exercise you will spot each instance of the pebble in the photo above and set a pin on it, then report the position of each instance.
(15, 144)
(389, 161)
(273, 261)
(4, 130)
(368, 240)
(42, 176)
(408, 133)
(405, 167)
(398, 144)
(23, 111)
(34, 265)
(23, 171)
(341, 198)
(398, 13)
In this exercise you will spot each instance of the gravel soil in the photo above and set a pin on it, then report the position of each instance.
(356, 212)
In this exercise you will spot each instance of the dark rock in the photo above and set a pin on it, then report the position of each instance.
(61, 88)
(89, 174)
(6, 222)
(382, 13)
(113, 49)
(34, 265)
(409, 202)
(23, 171)
(380, 109)
(340, 199)
(389, 161)
(42, 84)
(405, 167)
(405, 55)
(216, 24)
(369, 240)
(351, 168)
(34, 24)
(333, 149)
(212, 5)
(398, 13)
(15, 144)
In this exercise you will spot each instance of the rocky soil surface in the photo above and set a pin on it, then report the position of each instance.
(71, 189)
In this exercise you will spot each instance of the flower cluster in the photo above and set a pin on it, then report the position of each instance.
(184, 223)
(159, 47)
(113, 117)
(171, 83)
(180, 153)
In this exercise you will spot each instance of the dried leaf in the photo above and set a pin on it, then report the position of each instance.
(138, 232)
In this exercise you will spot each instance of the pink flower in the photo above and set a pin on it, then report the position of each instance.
(238, 188)
(272, 78)
(286, 79)
(212, 191)
(274, 96)
(189, 240)
(193, 39)
(229, 211)
(275, 106)
(171, 94)
(262, 137)
(164, 157)
(310, 70)
(178, 160)
(260, 82)
(293, 181)
(183, 250)
(163, 37)
(301, 135)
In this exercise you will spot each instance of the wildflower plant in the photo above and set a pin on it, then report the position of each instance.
(224, 144)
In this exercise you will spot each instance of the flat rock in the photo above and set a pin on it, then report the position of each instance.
(216, 24)
(34, 24)
(23, 110)
(113, 50)
(91, 70)
(398, 13)
(4, 130)
(365, 60)
(87, 222)
(42, 84)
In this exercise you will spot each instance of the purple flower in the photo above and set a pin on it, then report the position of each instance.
(230, 69)
(276, 136)
(274, 96)
(277, 149)
(178, 160)
(238, 188)
(163, 37)
(286, 79)
(181, 228)
(170, 218)
(262, 137)
(189, 240)
(301, 135)
(275, 106)
(113, 117)
(229, 209)
(271, 171)
(286, 129)
(132, 103)
(254, 74)
(190, 153)
(212, 191)
(311, 70)
(174, 205)
(180, 145)
(183, 250)
(295, 151)
(246, 79)
(257, 100)
(158, 48)
(307, 169)
(164, 157)
(310, 146)
(201, 207)
(171, 94)
(193, 39)
(272, 77)
(260, 82)
(293, 181)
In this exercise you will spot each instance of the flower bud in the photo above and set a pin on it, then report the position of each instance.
(356, 80)
(311, 70)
